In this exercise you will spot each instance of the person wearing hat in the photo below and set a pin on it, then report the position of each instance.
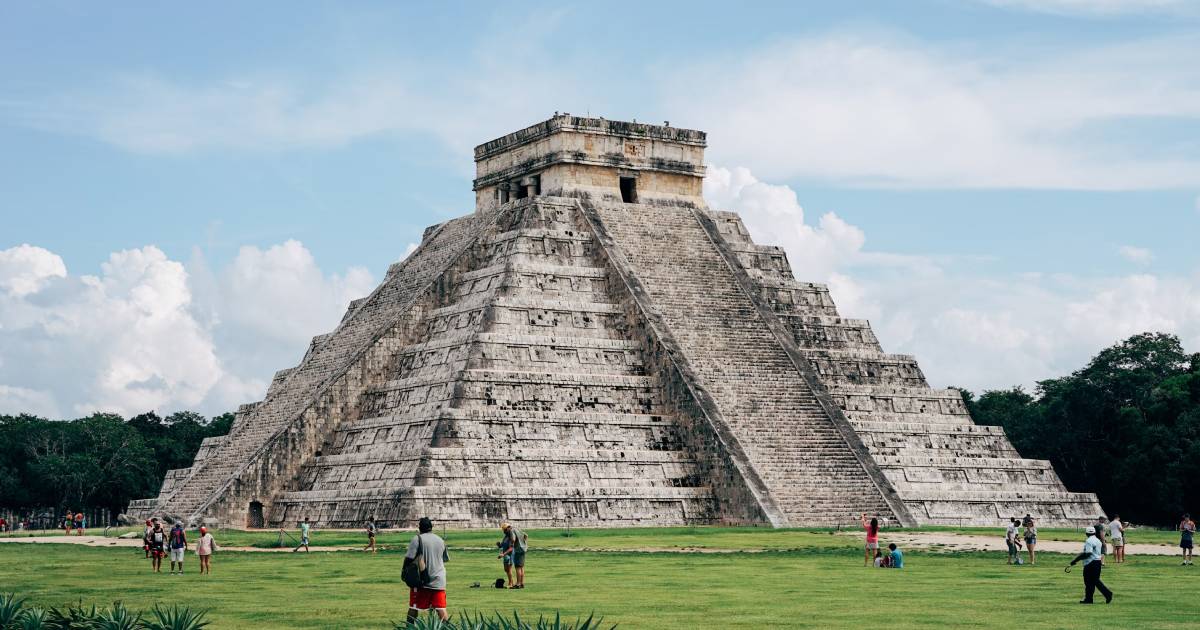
(518, 542)
(1093, 562)
(432, 594)
(205, 548)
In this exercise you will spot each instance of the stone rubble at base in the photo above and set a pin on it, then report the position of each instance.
(594, 346)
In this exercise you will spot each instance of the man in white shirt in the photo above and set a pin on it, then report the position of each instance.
(1093, 562)
(1010, 538)
(1116, 533)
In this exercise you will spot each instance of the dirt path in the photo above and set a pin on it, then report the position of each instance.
(911, 540)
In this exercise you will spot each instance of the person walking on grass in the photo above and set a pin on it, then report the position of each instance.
(1093, 563)
(177, 546)
(68, 522)
(205, 548)
(1010, 539)
(1187, 528)
(80, 523)
(158, 547)
(872, 529)
(1030, 535)
(518, 544)
(1102, 533)
(304, 529)
(1116, 533)
(372, 530)
(431, 595)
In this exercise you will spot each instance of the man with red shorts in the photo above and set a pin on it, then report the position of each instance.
(431, 596)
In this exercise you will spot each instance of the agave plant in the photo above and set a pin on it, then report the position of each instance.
(117, 618)
(32, 619)
(480, 621)
(10, 609)
(175, 618)
(73, 618)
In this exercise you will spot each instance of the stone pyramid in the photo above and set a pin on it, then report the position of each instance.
(594, 346)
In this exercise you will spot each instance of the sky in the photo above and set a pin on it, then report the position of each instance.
(189, 193)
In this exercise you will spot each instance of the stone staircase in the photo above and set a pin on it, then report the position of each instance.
(812, 473)
(946, 469)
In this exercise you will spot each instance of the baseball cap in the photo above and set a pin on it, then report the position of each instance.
(1090, 530)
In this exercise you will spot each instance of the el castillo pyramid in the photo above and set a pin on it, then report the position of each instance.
(595, 346)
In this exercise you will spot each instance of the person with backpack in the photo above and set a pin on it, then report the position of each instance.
(518, 544)
(205, 547)
(177, 545)
(158, 546)
(425, 572)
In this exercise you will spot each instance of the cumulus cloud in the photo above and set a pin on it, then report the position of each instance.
(1136, 255)
(25, 269)
(880, 109)
(150, 333)
(967, 329)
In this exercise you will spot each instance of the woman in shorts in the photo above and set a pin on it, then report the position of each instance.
(872, 529)
(1030, 536)
(204, 549)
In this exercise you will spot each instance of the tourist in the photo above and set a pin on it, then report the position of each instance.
(205, 547)
(1030, 536)
(1101, 531)
(518, 544)
(878, 559)
(68, 523)
(1187, 527)
(3, 524)
(177, 544)
(372, 530)
(80, 523)
(146, 536)
(1093, 563)
(1010, 539)
(897, 558)
(431, 595)
(158, 547)
(304, 528)
(1116, 533)
(505, 546)
(872, 530)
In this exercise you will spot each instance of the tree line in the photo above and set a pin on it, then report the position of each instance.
(99, 461)
(1126, 426)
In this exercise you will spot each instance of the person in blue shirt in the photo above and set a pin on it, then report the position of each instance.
(897, 557)
(1093, 561)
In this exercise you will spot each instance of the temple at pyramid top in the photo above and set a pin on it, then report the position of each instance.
(568, 154)
(595, 346)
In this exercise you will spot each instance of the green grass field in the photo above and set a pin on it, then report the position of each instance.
(807, 578)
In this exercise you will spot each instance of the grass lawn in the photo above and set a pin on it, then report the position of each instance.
(821, 583)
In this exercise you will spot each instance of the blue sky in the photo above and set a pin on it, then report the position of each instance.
(1002, 186)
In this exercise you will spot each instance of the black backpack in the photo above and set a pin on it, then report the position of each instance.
(415, 573)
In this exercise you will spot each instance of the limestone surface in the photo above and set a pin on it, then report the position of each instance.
(595, 346)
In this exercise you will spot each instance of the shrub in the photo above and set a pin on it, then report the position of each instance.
(15, 616)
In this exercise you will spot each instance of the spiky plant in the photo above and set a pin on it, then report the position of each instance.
(32, 619)
(175, 618)
(117, 618)
(10, 609)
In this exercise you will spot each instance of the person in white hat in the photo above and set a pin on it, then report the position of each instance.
(1093, 562)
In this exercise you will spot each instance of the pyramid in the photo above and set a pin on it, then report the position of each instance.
(594, 346)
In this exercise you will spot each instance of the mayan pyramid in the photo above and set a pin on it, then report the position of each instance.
(595, 346)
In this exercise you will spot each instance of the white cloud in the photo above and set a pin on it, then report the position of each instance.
(968, 329)
(1093, 7)
(1136, 255)
(148, 333)
(880, 109)
(25, 269)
